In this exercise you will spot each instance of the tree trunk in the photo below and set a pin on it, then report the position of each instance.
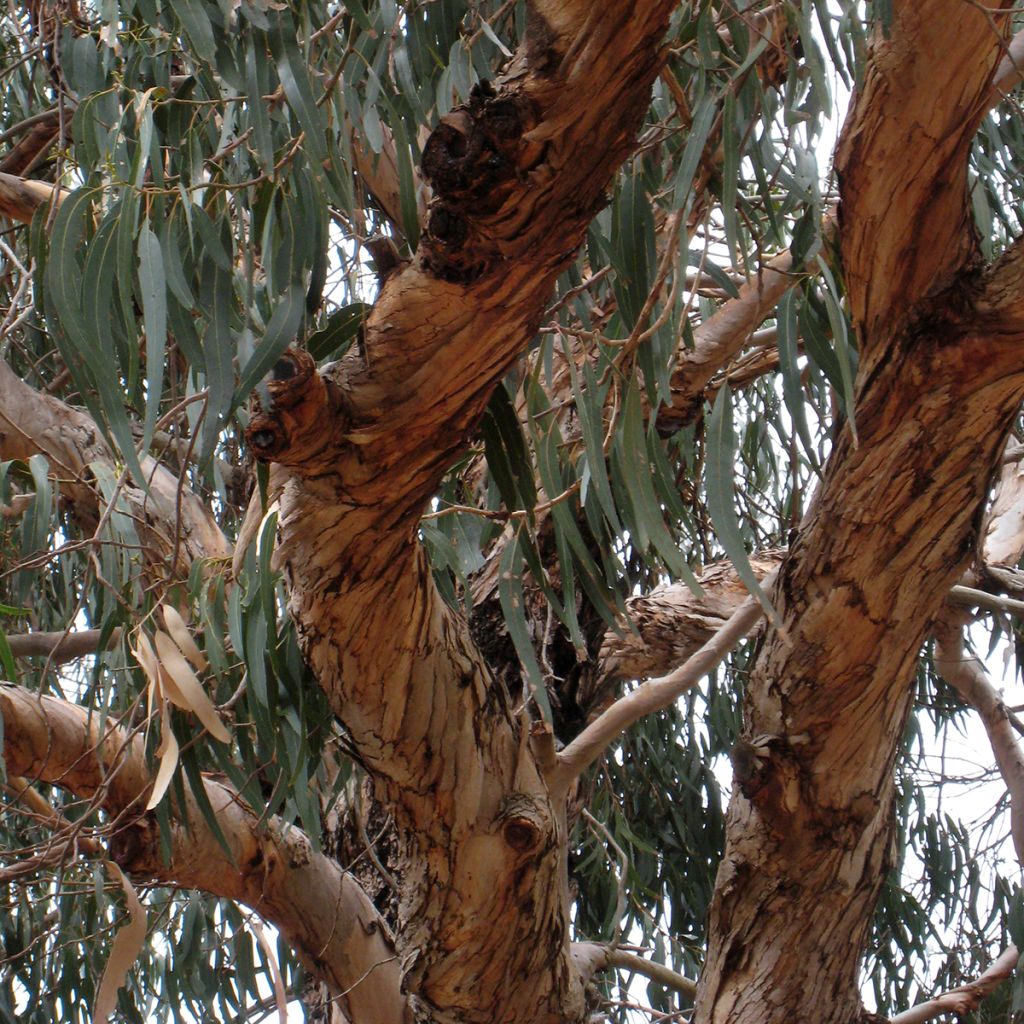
(516, 177)
(892, 527)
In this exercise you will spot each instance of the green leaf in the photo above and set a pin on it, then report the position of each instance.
(280, 333)
(153, 296)
(508, 457)
(293, 71)
(719, 476)
(332, 341)
(218, 354)
(196, 23)
(510, 595)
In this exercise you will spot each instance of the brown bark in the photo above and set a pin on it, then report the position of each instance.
(516, 177)
(891, 528)
(320, 909)
(21, 197)
(169, 518)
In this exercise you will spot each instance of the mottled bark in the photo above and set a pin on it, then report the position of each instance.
(891, 528)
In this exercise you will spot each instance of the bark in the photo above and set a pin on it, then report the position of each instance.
(967, 998)
(671, 622)
(61, 646)
(723, 336)
(1002, 533)
(21, 197)
(38, 137)
(516, 177)
(273, 869)
(891, 528)
(968, 677)
(170, 519)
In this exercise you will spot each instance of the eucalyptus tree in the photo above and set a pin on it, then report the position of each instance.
(487, 495)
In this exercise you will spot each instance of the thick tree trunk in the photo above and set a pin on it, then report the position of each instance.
(516, 177)
(893, 526)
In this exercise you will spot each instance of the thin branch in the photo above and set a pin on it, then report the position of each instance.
(592, 957)
(61, 646)
(965, 999)
(969, 597)
(968, 677)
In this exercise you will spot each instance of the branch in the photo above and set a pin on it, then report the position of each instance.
(33, 423)
(1009, 72)
(965, 999)
(517, 174)
(21, 197)
(968, 677)
(1002, 529)
(40, 132)
(911, 228)
(655, 694)
(273, 869)
(724, 334)
(61, 646)
(592, 957)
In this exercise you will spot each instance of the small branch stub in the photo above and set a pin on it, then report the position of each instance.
(296, 414)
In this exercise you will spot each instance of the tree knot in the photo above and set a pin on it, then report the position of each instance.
(524, 823)
(296, 412)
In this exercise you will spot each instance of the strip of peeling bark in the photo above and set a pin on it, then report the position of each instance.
(517, 175)
(891, 528)
(379, 172)
(321, 911)
(33, 423)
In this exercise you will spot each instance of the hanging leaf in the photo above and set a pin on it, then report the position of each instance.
(719, 480)
(124, 950)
